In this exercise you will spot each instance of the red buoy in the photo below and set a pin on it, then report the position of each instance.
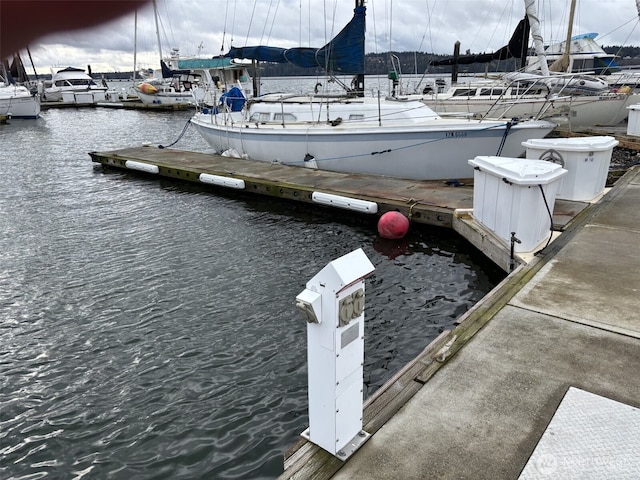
(393, 225)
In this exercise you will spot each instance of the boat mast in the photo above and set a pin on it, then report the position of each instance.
(155, 14)
(536, 35)
(34, 67)
(135, 42)
(562, 63)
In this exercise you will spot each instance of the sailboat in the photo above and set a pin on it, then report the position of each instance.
(185, 81)
(16, 100)
(591, 106)
(576, 99)
(165, 88)
(353, 133)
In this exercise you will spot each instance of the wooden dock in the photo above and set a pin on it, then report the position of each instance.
(435, 203)
(625, 141)
(124, 105)
(425, 202)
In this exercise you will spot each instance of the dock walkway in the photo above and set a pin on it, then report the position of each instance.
(425, 202)
(482, 401)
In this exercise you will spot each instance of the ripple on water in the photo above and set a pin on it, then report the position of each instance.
(149, 329)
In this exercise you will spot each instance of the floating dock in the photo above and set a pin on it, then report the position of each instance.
(126, 105)
(436, 203)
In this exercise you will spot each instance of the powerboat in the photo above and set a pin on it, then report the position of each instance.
(72, 85)
(191, 80)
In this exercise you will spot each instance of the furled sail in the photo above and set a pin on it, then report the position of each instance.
(517, 48)
(343, 54)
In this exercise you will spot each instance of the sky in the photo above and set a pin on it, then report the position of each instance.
(208, 28)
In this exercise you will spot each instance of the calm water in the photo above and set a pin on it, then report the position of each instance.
(148, 329)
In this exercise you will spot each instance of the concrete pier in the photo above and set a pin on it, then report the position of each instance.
(483, 399)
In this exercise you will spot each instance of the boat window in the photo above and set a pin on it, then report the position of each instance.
(356, 116)
(583, 65)
(260, 117)
(464, 92)
(498, 91)
(286, 117)
(485, 91)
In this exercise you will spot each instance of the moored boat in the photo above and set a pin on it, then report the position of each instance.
(72, 85)
(362, 135)
(17, 101)
(353, 133)
(572, 98)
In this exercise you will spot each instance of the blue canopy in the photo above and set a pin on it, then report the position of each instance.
(343, 54)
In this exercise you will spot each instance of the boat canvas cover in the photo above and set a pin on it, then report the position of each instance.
(204, 63)
(343, 54)
(517, 48)
(168, 73)
(233, 99)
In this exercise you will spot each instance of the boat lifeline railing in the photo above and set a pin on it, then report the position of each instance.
(529, 88)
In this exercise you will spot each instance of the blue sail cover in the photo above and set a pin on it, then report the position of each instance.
(343, 54)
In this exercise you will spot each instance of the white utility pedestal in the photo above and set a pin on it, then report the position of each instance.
(333, 305)
(586, 160)
(516, 196)
(633, 120)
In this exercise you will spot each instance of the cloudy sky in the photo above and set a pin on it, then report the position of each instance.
(208, 27)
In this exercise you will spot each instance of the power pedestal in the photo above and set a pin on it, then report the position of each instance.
(333, 305)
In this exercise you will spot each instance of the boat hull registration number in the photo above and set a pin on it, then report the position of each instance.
(455, 134)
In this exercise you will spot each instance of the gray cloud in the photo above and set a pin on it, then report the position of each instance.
(424, 25)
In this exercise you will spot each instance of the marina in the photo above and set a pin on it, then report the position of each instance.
(429, 204)
(210, 271)
(409, 412)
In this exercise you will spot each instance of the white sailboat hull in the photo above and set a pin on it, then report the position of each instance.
(18, 102)
(166, 98)
(578, 111)
(417, 148)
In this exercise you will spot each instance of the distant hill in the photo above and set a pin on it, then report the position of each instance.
(410, 63)
(418, 63)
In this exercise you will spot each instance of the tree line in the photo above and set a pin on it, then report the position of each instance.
(408, 63)
(419, 63)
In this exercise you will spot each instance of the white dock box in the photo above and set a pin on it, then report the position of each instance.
(633, 121)
(509, 195)
(587, 160)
